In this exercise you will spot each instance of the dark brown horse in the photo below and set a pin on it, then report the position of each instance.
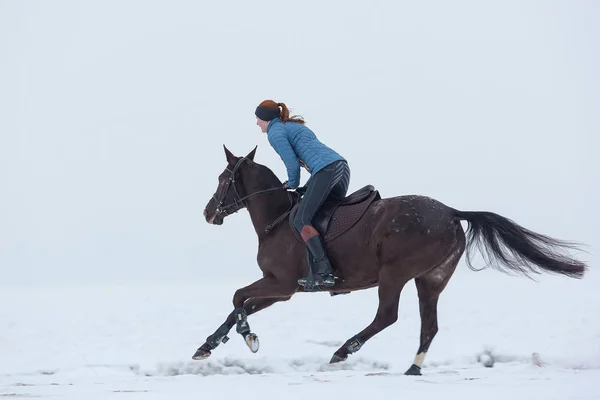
(371, 241)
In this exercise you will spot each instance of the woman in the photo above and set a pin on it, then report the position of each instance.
(298, 146)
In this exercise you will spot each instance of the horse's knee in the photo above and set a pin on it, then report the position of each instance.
(386, 316)
(238, 298)
(390, 319)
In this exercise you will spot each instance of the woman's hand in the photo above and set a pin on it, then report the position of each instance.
(299, 190)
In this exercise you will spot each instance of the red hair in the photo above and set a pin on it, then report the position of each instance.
(284, 112)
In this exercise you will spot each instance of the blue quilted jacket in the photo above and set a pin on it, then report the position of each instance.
(297, 145)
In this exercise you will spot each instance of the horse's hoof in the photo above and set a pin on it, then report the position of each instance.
(252, 342)
(413, 370)
(337, 359)
(201, 354)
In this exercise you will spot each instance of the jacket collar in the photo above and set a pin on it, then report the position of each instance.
(274, 120)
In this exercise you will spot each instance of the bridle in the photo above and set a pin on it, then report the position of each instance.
(238, 201)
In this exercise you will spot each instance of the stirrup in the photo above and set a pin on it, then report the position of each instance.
(315, 284)
(327, 280)
(332, 293)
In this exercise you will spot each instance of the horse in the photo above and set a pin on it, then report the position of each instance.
(371, 242)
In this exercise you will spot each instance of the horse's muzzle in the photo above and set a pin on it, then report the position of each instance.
(214, 219)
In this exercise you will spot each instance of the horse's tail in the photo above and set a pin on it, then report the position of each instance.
(516, 248)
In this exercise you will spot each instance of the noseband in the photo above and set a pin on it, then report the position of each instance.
(238, 201)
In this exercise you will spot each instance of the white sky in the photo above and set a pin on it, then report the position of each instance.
(113, 115)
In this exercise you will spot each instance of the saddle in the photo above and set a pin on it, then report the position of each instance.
(337, 216)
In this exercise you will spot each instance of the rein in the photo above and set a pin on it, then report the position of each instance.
(282, 216)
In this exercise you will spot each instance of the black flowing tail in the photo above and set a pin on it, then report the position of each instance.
(518, 249)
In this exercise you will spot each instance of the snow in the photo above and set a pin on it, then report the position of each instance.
(107, 341)
(113, 119)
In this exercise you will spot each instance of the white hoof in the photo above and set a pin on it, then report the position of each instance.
(252, 342)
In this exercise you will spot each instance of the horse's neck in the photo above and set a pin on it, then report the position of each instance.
(265, 208)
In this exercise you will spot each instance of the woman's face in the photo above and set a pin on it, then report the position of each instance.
(263, 124)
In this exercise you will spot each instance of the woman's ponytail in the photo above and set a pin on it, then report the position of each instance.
(285, 115)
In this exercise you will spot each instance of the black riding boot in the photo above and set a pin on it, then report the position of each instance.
(321, 273)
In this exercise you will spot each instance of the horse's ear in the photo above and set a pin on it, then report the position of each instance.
(229, 155)
(252, 153)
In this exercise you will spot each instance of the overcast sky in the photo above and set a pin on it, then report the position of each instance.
(113, 115)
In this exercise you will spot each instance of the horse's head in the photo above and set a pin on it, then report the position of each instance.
(230, 194)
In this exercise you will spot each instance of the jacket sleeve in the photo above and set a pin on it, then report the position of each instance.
(278, 139)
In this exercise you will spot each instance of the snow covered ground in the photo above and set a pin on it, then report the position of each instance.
(136, 342)
(112, 119)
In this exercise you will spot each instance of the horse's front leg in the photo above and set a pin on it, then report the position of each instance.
(246, 301)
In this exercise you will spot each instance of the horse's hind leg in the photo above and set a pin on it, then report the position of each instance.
(387, 313)
(429, 287)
